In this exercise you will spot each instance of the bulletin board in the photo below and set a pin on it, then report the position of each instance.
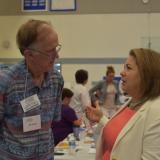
(62, 5)
(34, 5)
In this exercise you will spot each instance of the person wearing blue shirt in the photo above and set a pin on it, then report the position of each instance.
(30, 95)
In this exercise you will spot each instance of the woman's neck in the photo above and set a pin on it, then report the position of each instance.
(136, 96)
(108, 81)
(136, 103)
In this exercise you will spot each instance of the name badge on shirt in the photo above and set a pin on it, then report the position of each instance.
(31, 123)
(30, 103)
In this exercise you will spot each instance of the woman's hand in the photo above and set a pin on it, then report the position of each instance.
(94, 114)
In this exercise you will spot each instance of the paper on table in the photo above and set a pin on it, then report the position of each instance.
(92, 150)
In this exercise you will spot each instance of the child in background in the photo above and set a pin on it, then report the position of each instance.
(81, 98)
(69, 120)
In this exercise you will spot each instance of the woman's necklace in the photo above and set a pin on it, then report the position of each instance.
(134, 105)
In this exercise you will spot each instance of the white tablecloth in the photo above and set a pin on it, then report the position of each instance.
(83, 152)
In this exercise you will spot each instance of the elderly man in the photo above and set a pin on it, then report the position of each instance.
(30, 95)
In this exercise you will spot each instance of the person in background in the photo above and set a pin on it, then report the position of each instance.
(30, 95)
(134, 131)
(81, 98)
(107, 93)
(64, 127)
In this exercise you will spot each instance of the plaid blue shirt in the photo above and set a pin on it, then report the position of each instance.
(32, 145)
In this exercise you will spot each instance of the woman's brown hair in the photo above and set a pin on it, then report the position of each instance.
(148, 62)
(110, 69)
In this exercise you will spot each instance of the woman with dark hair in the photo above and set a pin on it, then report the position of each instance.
(61, 129)
(80, 99)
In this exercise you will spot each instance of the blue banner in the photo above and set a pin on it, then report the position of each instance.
(31, 5)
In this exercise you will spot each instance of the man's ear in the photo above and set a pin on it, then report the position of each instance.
(27, 53)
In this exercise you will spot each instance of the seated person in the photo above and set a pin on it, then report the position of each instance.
(62, 128)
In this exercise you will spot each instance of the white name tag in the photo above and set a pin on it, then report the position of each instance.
(30, 103)
(31, 123)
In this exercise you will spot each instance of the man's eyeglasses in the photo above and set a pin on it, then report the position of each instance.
(52, 54)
